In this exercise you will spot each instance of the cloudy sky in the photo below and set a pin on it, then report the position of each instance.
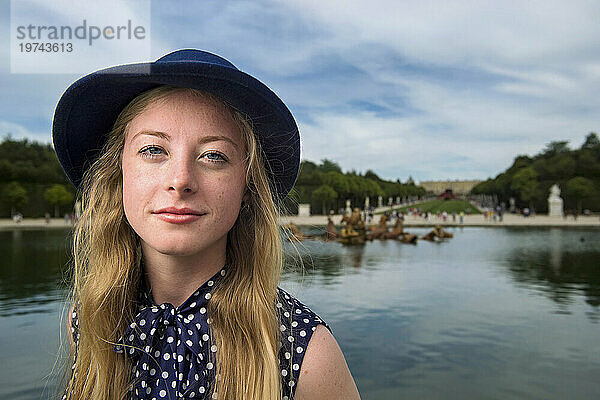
(428, 89)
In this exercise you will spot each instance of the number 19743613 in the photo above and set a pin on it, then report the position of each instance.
(45, 47)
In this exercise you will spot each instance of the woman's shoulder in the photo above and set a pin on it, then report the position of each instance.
(297, 323)
(311, 349)
(294, 314)
(325, 373)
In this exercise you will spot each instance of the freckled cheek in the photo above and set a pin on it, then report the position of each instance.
(136, 190)
(227, 197)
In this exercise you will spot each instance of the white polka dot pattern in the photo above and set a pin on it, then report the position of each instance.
(297, 323)
(172, 355)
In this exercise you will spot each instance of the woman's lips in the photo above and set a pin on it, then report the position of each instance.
(175, 215)
(178, 218)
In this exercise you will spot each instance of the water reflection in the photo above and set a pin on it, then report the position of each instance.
(326, 259)
(492, 313)
(563, 264)
(31, 270)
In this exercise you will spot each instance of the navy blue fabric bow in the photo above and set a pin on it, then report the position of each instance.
(171, 346)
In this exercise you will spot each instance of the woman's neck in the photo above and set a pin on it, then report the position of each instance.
(173, 279)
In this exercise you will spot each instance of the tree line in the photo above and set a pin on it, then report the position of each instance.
(32, 181)
(324, 186)
(529, 179)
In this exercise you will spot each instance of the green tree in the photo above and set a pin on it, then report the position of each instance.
(372, 189)
(556, 147)
(372, 175)
(580, 189)
(15, 195)
(485, 187)
(561, 166)
(325, 195)
(6, 170)
(327, 166)
(29, 162)
(309, 174)
(521, 161)
(338, 182)
(588, 165)
(354, 190)
(556, 164)
(58, 195)
(525, 184)
(591, 141)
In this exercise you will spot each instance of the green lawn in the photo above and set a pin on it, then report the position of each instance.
(443, 205)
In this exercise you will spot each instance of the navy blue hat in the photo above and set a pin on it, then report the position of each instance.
(88, 109)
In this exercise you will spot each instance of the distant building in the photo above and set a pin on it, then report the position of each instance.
(457, 187)
(447, 195)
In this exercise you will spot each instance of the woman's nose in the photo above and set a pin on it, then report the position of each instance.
(182, 176)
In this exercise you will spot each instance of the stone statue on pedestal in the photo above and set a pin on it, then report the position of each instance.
(555, 203)
(304, 210)
(348, 209)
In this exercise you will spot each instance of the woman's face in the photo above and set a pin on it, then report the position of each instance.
(183, 175)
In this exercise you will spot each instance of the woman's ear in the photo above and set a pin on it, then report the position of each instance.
(246, 201)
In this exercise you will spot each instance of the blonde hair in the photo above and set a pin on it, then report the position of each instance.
(106, 276)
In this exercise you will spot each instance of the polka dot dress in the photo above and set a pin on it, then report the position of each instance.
(171, 352)
(297, 324)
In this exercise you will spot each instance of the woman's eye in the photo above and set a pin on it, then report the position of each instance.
(215, 157)
(151, 151)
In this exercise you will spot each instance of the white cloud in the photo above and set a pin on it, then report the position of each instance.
(470, 32)
(457, 134)
(17, 132)
(539, 79)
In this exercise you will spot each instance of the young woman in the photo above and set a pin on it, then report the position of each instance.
(181, 166)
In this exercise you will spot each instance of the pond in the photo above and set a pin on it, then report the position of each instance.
(492, 313)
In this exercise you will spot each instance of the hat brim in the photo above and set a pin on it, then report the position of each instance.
(88, 109)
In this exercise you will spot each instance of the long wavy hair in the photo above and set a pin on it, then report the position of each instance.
(106, 276)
